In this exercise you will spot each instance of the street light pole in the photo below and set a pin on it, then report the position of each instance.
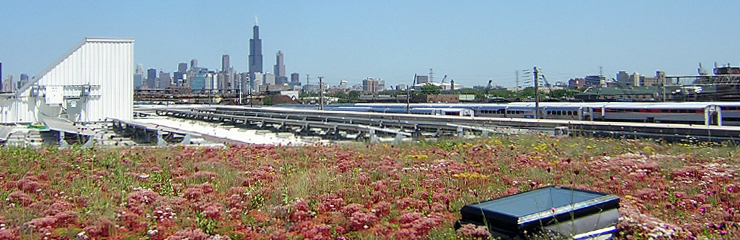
(321, 93)
(536, 94)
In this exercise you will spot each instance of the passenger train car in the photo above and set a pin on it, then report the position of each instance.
(705, 113)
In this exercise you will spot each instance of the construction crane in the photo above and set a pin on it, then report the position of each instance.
(488, 88)
(549, 87)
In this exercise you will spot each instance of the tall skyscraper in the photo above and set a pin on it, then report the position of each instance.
(295, 79)
(225, 63)
(193, 64)
(280, 77)
(165, 81)
(255, 50)
(182, 67)
(138, 76)
(23, 81)
(151, 78)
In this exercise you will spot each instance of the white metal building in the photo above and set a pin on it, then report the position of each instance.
(90, 83)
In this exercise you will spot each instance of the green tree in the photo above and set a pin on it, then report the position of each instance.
(429, 89)
(354, 96)
(267, 101)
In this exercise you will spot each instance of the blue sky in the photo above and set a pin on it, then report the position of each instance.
(470, 41)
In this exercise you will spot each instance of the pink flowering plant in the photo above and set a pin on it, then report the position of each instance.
(356, 190)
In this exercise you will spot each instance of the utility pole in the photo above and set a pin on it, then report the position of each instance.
(536, 94)
(408, 96)
(321, 93)
(241, 96)
(517, 80)
(249, 81)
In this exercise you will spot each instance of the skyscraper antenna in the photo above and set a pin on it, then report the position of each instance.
(255, 21)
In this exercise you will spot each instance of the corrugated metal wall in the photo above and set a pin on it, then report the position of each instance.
(107, 63)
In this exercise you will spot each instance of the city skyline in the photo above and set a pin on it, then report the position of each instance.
(470, 42)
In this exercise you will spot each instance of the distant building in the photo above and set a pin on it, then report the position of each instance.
(343, 85)
(726, 70)
(182, 67)
(151, 78)
(257, 79)
(658, 80)
(9, 84)
(193, 64)
(226, 77)
(636, 79)
(637, 94)
(421, 79)
(370, 85)
(178, 79)
(23, 80)
(138, 76)
(623, 79)
(225, 62)
(280, 77)
(295, 79)
(311, 88)
(436, 98)
(595, 81)
(165, 80)
(199, 81)
(401, 87)
(576, 83)
(255, 51)
(269, 79)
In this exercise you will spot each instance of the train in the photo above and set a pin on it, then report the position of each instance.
(703, 113)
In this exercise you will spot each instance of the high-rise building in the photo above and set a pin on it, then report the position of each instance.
(370, 85)
(280, 77)
(225, 63)
(623, 79)
(636, 79)
(151, 78)
(269, 79)
(255, 51)
(295, 79)
(179, 77)
(198, 82)
(9, 84)
(193, 64)
(138, 76)
(182, 67)
(165, 80)
(23, 80)
(257, 79)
